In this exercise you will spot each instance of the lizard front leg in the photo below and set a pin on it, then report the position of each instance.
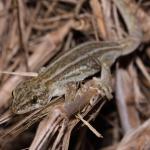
(71, 90)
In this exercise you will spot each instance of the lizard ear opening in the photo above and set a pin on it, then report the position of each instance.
(13, 94)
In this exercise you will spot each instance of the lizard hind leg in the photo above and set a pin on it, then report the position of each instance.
(104, 82)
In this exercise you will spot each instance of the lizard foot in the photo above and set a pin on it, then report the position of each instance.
(104, 87)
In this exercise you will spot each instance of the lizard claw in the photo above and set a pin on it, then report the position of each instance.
(104, 87)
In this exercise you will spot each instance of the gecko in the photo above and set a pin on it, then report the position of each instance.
(60, 78)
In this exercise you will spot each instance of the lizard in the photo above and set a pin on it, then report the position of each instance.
(76, 65)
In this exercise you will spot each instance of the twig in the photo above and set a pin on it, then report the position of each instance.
(21, 33)
(89, 126)
(143, 69)
(27, 74)
(121, 104)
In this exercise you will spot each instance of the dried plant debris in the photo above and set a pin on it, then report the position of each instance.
(33, 34)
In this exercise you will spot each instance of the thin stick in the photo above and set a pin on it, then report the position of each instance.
(143, 69)
(89, 126)
(27, 74)
(21, 33)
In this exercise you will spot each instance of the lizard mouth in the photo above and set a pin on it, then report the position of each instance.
(17, 110)
(24, 109)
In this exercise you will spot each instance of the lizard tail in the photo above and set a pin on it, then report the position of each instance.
(135, 32)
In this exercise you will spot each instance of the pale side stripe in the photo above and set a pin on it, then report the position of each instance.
(81, 58)
(80, 46)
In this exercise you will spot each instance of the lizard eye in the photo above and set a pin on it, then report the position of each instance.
(34, 99)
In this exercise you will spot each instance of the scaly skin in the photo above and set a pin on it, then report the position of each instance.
(76, 65)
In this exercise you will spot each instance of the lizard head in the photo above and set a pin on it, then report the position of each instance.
(28, 96)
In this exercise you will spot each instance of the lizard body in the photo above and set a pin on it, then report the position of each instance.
(76, 65)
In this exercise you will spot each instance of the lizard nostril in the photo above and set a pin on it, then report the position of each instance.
(13, 109)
